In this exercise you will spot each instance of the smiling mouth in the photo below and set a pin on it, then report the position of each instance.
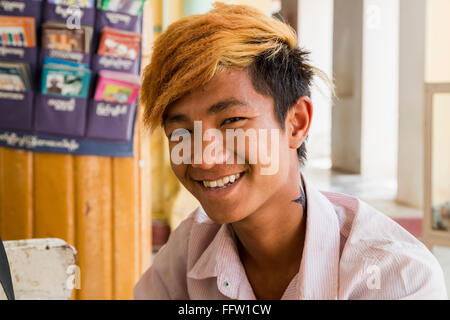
(223, 182)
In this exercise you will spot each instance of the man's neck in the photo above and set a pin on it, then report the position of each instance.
(272, 237)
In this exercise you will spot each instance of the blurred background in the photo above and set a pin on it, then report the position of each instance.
(384, 138)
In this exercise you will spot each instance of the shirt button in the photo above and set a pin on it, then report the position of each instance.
(226, 284)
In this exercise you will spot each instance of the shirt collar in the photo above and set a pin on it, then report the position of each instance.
(318, 275)
(221, 260)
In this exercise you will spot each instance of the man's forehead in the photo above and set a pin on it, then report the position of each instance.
(235, 75)
(233, 84)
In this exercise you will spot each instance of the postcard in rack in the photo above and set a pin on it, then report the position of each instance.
(77, 3)
(57, 36)
(120, 44)
(15, 76)
(117, 87)
(131, 7)
(11, 82)
(17, 31)
(49, 60)
(66, 80)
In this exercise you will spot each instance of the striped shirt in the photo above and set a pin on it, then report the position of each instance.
(351, 251)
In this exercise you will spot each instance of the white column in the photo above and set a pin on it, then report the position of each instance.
(411, 102)
(380, 89)
(365, 66)
(347, 71)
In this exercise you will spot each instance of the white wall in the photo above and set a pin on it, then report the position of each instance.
(437, 54)
(424, 57)
(437, 69)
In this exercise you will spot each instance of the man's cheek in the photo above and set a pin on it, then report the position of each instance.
(179, 170)
(268, 152)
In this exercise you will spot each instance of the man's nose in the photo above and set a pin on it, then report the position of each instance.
(209, 154)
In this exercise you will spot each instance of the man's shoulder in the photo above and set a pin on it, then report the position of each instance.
(360, 223)
(197, 218)
(185, 238)
(166, 278)
(179, 236)
(375, 245)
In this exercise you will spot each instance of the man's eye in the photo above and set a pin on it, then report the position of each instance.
(231, 120)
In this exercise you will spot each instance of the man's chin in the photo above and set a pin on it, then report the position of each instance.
(222, 216)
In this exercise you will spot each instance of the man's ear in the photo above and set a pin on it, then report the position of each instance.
(298, 121)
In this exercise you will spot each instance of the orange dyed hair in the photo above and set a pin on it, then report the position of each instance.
(196, 48)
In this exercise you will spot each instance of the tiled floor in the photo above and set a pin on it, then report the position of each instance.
(380, 193)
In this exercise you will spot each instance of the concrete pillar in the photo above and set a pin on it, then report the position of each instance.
(365, 65)
(347, 71)
(411, 102)
(380, 89)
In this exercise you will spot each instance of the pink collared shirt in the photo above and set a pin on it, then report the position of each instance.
(351, 251)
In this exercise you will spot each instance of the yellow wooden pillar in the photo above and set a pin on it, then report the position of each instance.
(100, 205)
(165, 186)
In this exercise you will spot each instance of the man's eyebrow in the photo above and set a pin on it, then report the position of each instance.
(224, 104)
(178, 117)
(215, 108)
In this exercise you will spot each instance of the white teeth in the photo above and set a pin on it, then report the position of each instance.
(221, 182)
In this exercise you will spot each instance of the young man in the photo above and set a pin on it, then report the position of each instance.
(261, 233)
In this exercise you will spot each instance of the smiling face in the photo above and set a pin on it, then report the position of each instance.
(231, 192)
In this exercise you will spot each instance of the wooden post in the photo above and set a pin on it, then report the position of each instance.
(100, 205)
(437, 187)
